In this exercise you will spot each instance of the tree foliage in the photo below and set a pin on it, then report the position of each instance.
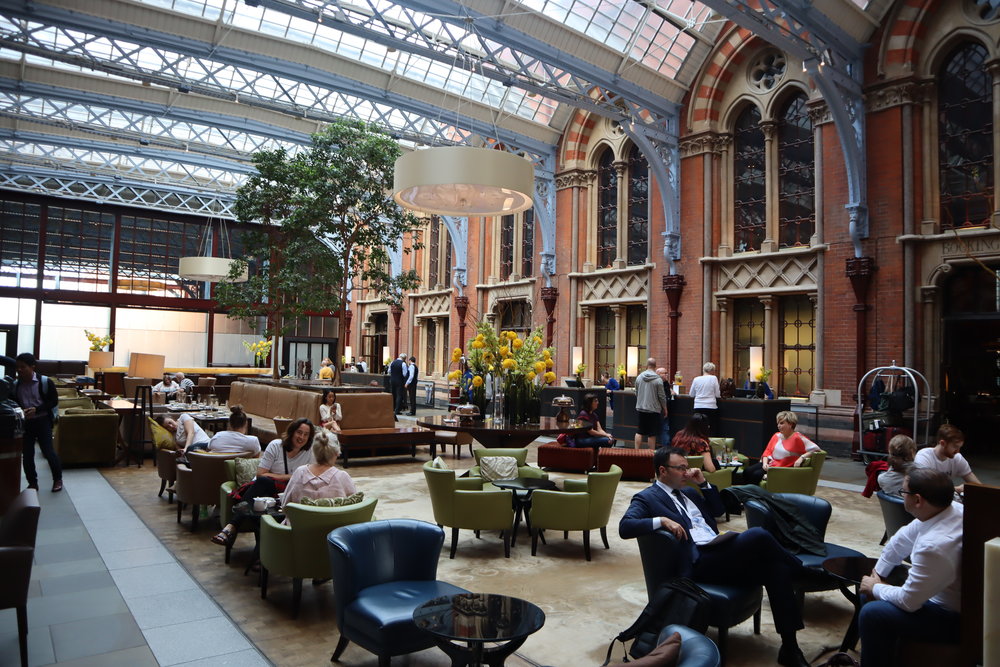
(324, 220)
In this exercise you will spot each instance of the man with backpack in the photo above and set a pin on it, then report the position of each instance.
(750, 557)
(37, 396)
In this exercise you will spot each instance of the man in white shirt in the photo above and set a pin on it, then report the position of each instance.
(927, 606)
(944, 456)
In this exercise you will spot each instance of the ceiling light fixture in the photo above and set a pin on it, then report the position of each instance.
(206, 267)
(463, 181)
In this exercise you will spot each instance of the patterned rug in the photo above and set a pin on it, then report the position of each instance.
(586, 604)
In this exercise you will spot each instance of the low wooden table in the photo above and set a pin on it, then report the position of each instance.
(376, 438)
(494, 433)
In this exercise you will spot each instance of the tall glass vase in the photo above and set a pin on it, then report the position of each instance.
(498, 400)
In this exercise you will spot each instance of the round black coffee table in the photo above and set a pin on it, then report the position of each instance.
(522, 488)
(475, 619)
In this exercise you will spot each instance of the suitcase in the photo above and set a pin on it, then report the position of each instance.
(878, 440)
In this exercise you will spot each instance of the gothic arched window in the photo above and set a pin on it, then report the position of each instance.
(796, 175)
(607, 210)
(638, 207)
(965, 138)
(749, 190)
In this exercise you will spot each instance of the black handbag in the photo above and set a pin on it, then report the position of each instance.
(680, 601)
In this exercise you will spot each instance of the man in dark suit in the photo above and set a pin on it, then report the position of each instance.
(37, 396)
(753, 556)
(397, 375)
(411, 384)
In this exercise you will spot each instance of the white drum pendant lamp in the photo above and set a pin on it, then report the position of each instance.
(464, 181)
(206, 267)
(209, 269)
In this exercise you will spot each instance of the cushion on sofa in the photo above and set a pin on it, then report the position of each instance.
(236, 393)
(255, 398)
(307, 405)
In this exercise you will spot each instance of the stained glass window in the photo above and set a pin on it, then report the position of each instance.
(638, 207)
(607, 210)
(965, 136)
(750, 195)
(796, 175)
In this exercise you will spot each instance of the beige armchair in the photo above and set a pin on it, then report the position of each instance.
(198, 482)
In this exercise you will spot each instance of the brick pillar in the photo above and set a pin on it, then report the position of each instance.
(549, 297)
(860, 271)
(673, 286)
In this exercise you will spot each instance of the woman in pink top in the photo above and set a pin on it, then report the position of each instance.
(786, 449)
(320, 479)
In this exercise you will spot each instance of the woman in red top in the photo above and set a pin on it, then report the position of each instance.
(693, 439)
(786, 449)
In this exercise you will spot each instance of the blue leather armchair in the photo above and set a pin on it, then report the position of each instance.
(816, 511)
(382, 571)
(731, 605)
(697, 650)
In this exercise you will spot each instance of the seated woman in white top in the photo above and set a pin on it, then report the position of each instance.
(280, 459)
(188, 434)
(329, 411)
(944, 456)
(167, 386)
(235, 440)
(320, 479)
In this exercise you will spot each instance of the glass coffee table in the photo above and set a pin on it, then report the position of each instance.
(476, 619)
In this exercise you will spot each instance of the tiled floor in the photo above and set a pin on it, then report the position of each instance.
(104, 591)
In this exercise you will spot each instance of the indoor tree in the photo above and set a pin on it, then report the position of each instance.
(322, 221)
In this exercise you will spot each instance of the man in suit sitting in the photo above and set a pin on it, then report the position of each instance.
(751, 557)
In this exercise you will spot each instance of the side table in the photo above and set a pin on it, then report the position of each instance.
(475, 619)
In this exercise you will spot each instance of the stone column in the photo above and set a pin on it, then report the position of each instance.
(621, 251)
(550, 295)
(674, 287)
(588, 332)
(770, 129)
(770, 337)
(725, 337)
(860, 271)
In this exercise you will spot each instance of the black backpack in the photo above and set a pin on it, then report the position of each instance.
(679, 601)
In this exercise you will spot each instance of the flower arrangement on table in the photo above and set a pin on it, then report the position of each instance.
(98, 343)
(762, 376)
(519, 367)
(260, 349)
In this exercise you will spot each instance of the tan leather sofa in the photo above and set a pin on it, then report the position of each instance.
(263, 403)
(369, 424)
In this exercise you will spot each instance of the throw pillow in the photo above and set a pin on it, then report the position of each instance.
(162, 438)
(666, 654)
(246, 470)
(352, 499)
(498, 467)
(439, 463)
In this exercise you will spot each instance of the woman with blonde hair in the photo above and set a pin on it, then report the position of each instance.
(901, 450)
(320, 479)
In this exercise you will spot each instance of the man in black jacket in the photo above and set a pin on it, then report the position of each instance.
(37, 396)
(411, 384)
(397, 373)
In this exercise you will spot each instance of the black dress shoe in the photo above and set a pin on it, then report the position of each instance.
(791, 656)
(57, 486)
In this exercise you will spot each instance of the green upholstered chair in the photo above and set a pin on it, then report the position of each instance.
(225, 501)
(198, 482)
(75, 401)
(84, 436)
(299, 550)
(583, 504)
(795, 480)
(719, 445)
(721, 478)
(463, 502)
(519, 453)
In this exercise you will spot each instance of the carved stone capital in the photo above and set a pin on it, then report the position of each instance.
(767, 302)
(929, 293)
(576, 178)
(886, 97)
(818, 112)
(673, 285)
(706, 142)
(722, 304)
(769, 128)
(860, 271)
(620, 167)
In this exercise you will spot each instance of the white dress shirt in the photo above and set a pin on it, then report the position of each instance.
(701, 532)
(935, 549)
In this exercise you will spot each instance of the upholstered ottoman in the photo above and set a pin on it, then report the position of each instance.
(559, 457)
(636, 464)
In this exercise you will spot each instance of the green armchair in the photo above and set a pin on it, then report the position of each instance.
(87, 436)
(719, 445)
(796, 480)
(581, 505)
(75, 401)
(463, 502)
(721, 478)
(519, 453)
(299, 550)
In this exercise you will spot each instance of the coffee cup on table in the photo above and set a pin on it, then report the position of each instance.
(260, 504)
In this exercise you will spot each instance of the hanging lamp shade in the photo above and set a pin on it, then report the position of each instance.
(209, 269)
(463, 181)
